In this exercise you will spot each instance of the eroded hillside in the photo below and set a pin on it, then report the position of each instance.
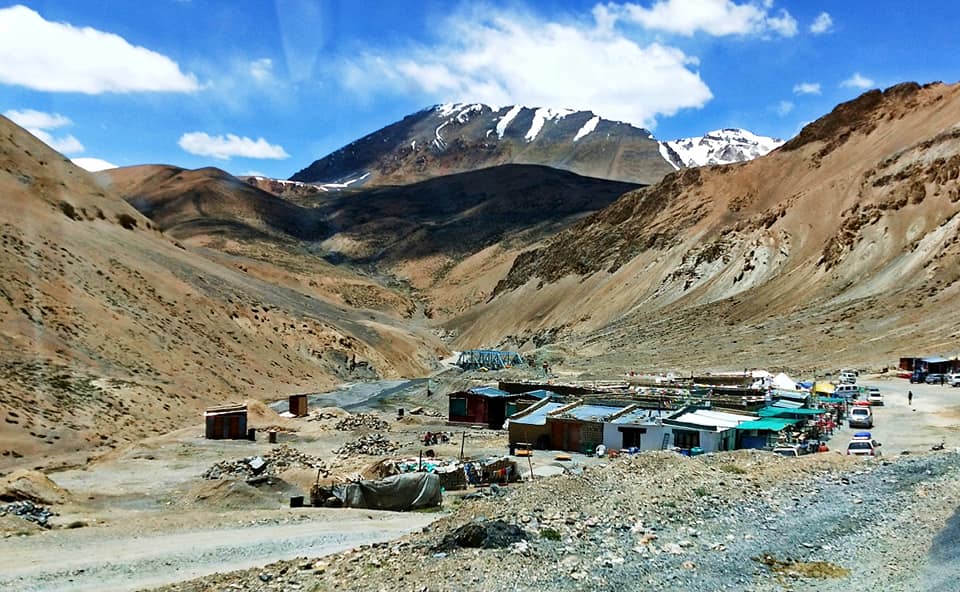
(842, 241)
(111, 330)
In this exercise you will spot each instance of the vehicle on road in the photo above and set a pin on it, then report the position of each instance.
(918, 376)
(848, 378)
(874, 396)
(860, 447)
(953, 379)
(935, 378)
(860, 417)
(847, 391)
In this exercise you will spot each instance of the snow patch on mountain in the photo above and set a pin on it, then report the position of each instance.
(541, 116)
(588, 127)
(506, 119)
(722, 146)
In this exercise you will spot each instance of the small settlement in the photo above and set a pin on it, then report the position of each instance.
(695, 415)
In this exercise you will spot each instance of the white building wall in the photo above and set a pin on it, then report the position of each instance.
(651, 440)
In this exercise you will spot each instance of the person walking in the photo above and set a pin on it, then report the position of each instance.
(910, 398)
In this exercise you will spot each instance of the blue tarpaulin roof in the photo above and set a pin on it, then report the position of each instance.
(934, 360)
(489, 391)
(771, 424)
(538, 416)
(592, 412)
(540, 394)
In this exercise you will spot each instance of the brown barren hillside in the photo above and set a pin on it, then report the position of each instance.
(110, 330)
(844, 242)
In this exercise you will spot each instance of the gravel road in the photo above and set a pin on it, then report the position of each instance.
(88, 559)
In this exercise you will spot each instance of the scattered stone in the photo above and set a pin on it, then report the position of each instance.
(274, 462)
(370, 444)
(29, 511)
(361, 421)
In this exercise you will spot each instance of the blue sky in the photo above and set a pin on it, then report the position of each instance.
(269, 86)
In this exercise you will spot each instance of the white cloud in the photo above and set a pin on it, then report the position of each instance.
(39, 122)
(807, 88)
(714, 17)
(93, 164)
(510, 58)
(857, 81)
(225, 147)
(822, 24)
(59, 57)
(37, 119)
(784, 108)
(262, 69)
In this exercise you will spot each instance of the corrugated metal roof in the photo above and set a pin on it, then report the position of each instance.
(592, 412)
(713, 419)
(934, 360)
(539, 416)
(787, 404)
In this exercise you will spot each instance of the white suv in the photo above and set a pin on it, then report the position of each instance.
(860, 417)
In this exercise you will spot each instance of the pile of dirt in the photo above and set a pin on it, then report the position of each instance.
(32, 486)
(325, 413)
(370, 444)
(362, 421)
(274, 462)
(238, 494)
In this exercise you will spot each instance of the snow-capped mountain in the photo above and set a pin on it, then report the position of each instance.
(461, 137)
(722, 146)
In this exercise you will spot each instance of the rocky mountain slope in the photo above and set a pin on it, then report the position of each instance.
(111, 330)
(456, 138)
(415, 232)
(724, 146)
(841, 243)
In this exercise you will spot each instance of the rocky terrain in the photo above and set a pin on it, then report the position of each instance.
(845, 235)
(111, 330)
(729, 521)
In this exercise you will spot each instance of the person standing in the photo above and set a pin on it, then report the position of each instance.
(910, 398)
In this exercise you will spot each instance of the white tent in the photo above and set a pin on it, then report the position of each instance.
(782, 381)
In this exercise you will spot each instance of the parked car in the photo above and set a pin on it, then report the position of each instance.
(918, 376)
(788, 451)
(935, 378)
(847, 378)
(860, 417)
(861, 447)
(874, 396)
(847, 391)
(953, 379)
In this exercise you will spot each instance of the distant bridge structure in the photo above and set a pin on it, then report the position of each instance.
(491, 359)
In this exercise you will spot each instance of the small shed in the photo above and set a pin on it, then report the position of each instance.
(481, 405)
(580, 428)
(227, 422)
(639, 429)
(298, 405)
(706, 429)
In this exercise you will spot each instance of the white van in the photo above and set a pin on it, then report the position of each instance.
(847, 391)
(847, 377)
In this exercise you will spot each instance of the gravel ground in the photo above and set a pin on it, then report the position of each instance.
(744, 520)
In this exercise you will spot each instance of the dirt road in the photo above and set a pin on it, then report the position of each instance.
(934, 416)
(89, 559)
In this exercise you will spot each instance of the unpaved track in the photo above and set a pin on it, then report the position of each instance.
(88, 559)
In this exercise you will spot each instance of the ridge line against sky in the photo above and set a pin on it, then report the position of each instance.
(277, 84)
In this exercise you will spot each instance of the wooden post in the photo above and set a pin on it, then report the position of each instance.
(530, 461)
(420, 461)
(462, 442)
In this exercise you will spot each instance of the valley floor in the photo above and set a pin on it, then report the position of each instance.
(745, 520)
